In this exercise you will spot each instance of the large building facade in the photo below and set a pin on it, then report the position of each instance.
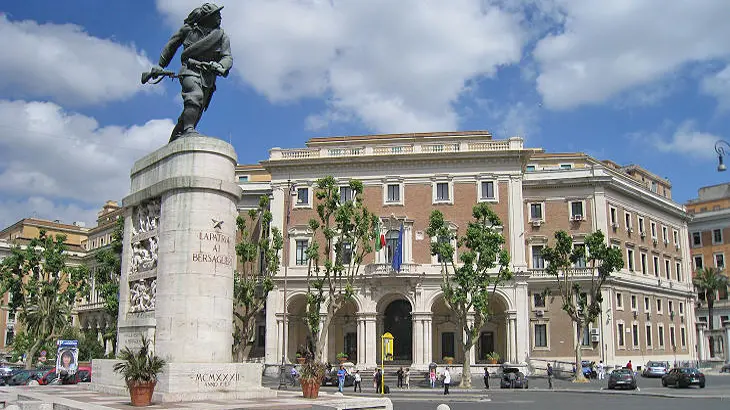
(648, 307)
(710, 244)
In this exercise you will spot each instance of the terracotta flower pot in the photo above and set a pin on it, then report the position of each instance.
(141, 393)
(310, 388)
(301, 360)
(342, 359)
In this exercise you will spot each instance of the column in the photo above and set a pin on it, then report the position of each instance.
(371, 339)
(279, 337)
(272, 340)
(516, 221)
(360, 339)
(701, 342)
(418, 340)
(522, 318)
(508, 345)
(428, 339)
(726, 327)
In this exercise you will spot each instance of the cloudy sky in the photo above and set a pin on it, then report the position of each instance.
(635, 81)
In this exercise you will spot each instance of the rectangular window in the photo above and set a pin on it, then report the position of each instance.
(665, 234)
(302, 196)
(393, 193)
(585, 340)
(683, 336)
(447, 344)
(681, 308)
(720, 260)
(672, 340)
(243, 179)
(540, 335)
(538, 300)
(633, 302)
(627, 220)
(661, 335)
(630, 258)
(641, 225)
(643, 263)
(716, 236)
(536, 212)
(576, 210)
(537, 260)
(346, 253)
(346, 194)
(9, 336)
(678, 270)
(529, 168)
(261, 336)
(667, 268)
(619, 300)
(696, 238)
(653, 230)
(670, 306)
(675, 236)
(648, 335)
(442, 191)
(698, 262)
(301, 253)
(487, 190)
(635, 335)
(614, 221)
(656, 266)
(647, 305)
(566, 166)
(581, 262)
(659, 306)
(620, 335)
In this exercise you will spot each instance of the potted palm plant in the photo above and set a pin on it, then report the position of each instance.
(140, 369)
(311, 378)
(492, 357)
(448, 359)
(342, 357)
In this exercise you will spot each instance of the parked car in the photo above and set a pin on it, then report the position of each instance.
(513, 378)
(684, 377)
(587, 369)
(330, 377)
(622, 378)
(82, 375)
(655, 369)
(725, 368)
(22, 377)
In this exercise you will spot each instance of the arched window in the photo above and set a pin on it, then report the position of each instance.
(391, 243)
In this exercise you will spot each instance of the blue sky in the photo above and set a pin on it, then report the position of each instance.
(634, 81)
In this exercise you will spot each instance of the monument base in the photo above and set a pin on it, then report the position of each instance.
(189, 381)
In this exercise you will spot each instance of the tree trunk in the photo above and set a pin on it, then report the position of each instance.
(322, 338)
(578, 377)
(466, 367)
(30, 353)
(710, 307)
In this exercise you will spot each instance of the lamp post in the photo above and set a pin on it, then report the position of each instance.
(282, 371)
(720, 154)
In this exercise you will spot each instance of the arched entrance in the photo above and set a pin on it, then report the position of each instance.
(398, 321)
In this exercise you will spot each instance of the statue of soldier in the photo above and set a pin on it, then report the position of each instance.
(206, 55)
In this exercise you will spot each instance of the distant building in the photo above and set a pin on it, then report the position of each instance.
(648, 307)
(710, 244)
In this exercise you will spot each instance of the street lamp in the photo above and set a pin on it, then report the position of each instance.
(720, 154)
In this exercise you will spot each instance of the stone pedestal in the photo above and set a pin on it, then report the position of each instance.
(177, 271)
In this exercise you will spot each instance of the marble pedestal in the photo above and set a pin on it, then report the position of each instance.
(176, 286)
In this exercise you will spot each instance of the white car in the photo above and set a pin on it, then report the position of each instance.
(655, 369)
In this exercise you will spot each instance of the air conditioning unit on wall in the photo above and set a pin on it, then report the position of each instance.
(539, 313)
(536, 223)
(595, 331)
(595, 338)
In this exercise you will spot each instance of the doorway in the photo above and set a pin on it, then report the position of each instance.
(399, 323)
(486, 344)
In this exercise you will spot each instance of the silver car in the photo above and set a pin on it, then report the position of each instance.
(655, 369)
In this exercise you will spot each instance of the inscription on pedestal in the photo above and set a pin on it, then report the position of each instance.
(214, 248)
(216, 380)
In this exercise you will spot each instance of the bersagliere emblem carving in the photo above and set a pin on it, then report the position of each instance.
(143, 264)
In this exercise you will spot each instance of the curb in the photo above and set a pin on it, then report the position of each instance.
(638, 392)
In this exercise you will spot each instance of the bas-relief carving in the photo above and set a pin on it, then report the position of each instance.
(144, 245)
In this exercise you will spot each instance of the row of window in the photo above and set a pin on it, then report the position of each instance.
(621, 330)
(656, 265)
(443, 192)
(717, 238)
(628, 225)
(647, 304)
(718, 259)
(576, 209)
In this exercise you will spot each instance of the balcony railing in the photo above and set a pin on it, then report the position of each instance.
(387, 269)
(395, 149)
(576, 272)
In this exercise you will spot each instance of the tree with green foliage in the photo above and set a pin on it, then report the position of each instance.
(259, 260)
(581, 294)
(343, 234)
(707, 282)
(106, 279)
(469, 284)
(43, 289)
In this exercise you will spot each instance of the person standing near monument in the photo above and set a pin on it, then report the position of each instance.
(447, 380)
(550, 375)
(341, 378)
(601, 370)
(206, 55)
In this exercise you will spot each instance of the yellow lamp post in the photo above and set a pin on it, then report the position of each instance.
(386, 350)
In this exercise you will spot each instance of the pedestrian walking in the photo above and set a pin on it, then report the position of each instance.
(341, 378)
(630, 366)
(432, 377)
(601, 370)
(408, 378)
(400, 375)
(378, 381)
(447, 380)
(358, 380)
(550, 376)
(486, 377)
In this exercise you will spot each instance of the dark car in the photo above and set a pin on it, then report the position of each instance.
(622, 378)
(22, 377)
(684, 377)
(513, 378)
(655, 369)
(330, 378)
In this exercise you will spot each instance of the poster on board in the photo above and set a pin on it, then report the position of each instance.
(67, 359)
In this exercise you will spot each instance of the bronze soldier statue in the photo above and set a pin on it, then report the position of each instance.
(206, 55)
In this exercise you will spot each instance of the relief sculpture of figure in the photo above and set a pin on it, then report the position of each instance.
(206, 55)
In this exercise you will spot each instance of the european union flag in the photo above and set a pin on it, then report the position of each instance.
(398, 253)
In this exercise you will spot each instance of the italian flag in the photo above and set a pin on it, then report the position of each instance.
(380, 240)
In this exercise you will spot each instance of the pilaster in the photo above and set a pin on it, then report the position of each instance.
(516, 221)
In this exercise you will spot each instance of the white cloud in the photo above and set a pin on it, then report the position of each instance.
(12, 211)
(62, 156)
(718, 86)
(518, 119)
(685, 140)
(66, 64)
(394, 65)
(606, 48)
